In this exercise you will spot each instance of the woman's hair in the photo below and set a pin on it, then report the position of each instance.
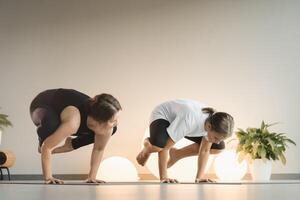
(221, 122)
(102, 107)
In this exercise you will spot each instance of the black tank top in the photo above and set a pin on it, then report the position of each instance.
(59, 99)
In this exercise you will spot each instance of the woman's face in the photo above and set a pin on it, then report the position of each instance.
(98, 127)
(213, 136)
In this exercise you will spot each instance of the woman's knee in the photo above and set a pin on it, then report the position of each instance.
(48, 125)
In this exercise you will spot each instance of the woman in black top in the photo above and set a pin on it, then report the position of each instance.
(61, 113)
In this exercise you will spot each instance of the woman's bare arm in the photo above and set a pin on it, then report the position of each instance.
(70, 121)
(101, 141)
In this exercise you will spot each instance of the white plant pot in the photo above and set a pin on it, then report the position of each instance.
(260, 170)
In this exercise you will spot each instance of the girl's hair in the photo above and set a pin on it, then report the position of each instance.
(221, 122)
(102, 107)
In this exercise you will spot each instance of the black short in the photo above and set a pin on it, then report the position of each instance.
(158, 132)
(198, 140)
(159, 135)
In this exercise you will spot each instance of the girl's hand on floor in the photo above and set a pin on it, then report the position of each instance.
(53, 181)
(92, 180)
(204, 180)
(169, 180)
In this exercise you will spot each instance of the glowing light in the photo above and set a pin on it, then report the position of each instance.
(117, 169)
(184, 169)
(227, 167)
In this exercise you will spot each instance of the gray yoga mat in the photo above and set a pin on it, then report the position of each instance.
(154, 183)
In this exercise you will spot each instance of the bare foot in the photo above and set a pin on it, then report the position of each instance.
(172, 157)
(143, 156)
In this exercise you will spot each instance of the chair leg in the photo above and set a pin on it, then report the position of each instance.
(1, 173)
(8, 173)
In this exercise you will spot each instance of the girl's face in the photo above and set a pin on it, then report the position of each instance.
(213, 136)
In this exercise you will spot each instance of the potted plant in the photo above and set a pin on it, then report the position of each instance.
(261, 147)
(4, 123)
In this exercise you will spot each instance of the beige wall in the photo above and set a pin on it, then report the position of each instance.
(238, 56)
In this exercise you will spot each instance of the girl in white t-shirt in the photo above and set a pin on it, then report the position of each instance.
(174, 120)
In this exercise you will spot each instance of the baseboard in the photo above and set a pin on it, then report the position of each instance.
(26, 177)
(290, 176)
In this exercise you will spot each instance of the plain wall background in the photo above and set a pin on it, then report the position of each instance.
(241, 57)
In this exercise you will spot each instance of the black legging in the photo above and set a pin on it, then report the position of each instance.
(47, 121)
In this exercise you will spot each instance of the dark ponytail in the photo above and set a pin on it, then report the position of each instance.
(208, 110)
(102, 107)
(221, 122)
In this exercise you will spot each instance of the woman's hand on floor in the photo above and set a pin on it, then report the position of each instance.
(53, 181)
(92, 180)
(204, 180)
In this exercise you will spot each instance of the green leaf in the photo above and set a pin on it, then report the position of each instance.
(268, 125)
(3, 116)
(239, 148)
(241, 157)
(271, 142)
(262, 125)
(262, 152)
(291, 141)
(241, 131)
(282, 158)
(4, 122)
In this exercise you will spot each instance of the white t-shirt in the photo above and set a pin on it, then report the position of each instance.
(185, 116)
